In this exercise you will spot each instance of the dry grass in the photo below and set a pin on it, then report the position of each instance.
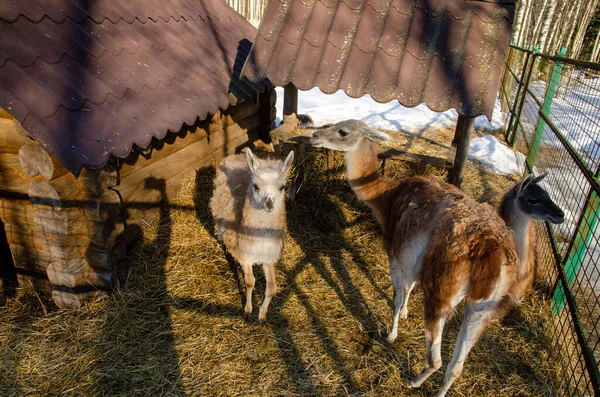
(175, 326)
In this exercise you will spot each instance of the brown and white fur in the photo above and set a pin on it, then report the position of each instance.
(525, 201)
(249, 212)
(435, 235)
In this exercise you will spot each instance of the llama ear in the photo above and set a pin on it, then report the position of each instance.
(539, 178)
(287, 163)
(253, 161)
(375, 136)
(523, 185)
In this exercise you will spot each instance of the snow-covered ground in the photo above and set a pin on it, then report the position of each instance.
(575, 112)
(325, 109)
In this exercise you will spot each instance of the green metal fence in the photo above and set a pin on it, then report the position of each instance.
(552, 115)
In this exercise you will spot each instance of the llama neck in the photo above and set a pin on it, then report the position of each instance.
(518, 222)
(364, 177)
(255, 217)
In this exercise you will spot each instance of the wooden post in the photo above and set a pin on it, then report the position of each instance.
(266, 114)
(290, 100)
(462, 136)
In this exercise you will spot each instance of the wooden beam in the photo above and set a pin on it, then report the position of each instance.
(36, 160)
(462, 136)
(290, 100)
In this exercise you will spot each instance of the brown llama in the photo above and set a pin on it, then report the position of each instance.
(435, 235)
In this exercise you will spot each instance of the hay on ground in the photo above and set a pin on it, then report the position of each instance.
(175, 324)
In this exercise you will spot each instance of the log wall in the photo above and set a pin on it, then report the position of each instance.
(66, 234)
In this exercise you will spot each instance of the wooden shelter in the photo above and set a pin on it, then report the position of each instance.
(444, 53)
(105, 108)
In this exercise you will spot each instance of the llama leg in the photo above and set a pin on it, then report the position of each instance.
(473, 325)
(249, 279)
(270, 291)
(433, 358)
(402, 288)
(406, 289)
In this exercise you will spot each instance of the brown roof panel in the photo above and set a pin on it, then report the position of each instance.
(331, 68)
(319, 24)
(305, 75)
(297, 18)
(368, 33)
(343, 28)
(447, 54)
(90, 80)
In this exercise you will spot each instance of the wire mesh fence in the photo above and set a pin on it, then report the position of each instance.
(552, 116)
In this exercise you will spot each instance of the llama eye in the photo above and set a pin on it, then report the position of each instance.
(342, 133)
(533, 201)
(255, 186)
(282, 188)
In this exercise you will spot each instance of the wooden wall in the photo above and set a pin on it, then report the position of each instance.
(67, 234)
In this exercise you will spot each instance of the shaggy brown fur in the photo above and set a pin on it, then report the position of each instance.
(435, 236)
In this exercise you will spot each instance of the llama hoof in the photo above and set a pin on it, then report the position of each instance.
(247, 316)
(262, 321)
(404, 314)
(391, 337)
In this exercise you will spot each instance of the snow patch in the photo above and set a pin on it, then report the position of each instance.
(330, 109)
(490, 152)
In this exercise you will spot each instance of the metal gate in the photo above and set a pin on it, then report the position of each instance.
(552, 115)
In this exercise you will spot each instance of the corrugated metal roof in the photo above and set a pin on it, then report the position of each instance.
(444, 53)
(92, 78)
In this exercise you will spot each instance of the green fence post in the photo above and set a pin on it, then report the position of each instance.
(585, 231)
(545, 109)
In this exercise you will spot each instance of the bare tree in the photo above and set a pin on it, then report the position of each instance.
(587, 14)
(596, 48)
(548, 17)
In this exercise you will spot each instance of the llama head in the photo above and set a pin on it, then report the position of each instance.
(346, 136)
(535, 202)
(269, 180)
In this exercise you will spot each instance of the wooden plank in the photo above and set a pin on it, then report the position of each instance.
(60, 224)
(234, 114)
(59, 193)
(34, 281)
(12, 177)
(187, 159)
(30, 259)
(392, 154)
(35, 160)
(160, 151)
(17, 212)
(95, 182)
(12, 136)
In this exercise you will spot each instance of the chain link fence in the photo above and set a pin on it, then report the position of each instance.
(552, 115)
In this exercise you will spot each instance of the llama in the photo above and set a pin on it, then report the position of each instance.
(525, 201)
(454, 247)
(249, 213)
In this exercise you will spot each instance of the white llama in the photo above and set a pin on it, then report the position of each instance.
(249, 212)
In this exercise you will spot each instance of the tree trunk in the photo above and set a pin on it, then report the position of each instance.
(596, 49)
(572, 22)
(538, 18)
(518, 22)
(548, 17)
(525, 24)
(582, 28)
